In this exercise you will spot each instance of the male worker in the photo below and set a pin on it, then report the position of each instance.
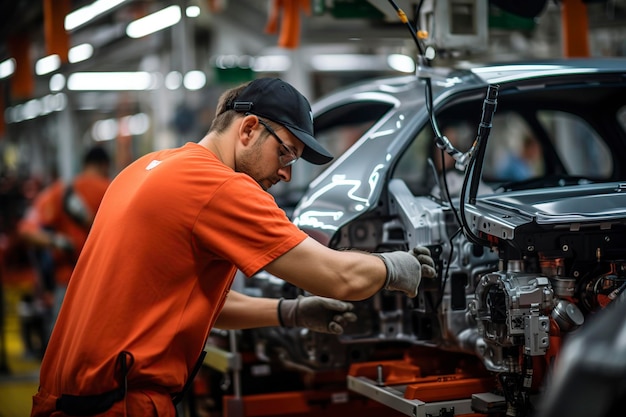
(57, 223)
(172, 230)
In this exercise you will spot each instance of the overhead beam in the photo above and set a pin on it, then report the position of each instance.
(57, 39)
(575, 28)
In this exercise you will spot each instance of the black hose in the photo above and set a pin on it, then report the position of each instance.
(405, 20)
(484, 128)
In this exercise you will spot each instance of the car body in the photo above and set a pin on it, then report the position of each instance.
(525, 256)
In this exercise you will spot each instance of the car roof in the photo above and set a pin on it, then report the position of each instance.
(506, 72)
(467, 76)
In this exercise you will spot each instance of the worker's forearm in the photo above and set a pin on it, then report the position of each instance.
(343, 275)
(243, 312)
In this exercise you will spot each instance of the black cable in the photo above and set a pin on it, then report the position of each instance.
(428, 92)
(417, 12)
(405, 20)
(444, 278)
(484, 128)
(441, 141)
(471, 236)
(447, 190)
(474, 167)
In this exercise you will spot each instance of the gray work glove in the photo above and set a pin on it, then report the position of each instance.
(406, 269)
(320, 314)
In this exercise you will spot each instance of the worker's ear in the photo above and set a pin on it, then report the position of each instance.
(246, 129)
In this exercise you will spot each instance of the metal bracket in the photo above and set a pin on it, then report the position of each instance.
(393, 397)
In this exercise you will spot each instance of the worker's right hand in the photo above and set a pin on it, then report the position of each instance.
(406, 269)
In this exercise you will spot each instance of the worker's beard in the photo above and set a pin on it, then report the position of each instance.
(250, 162)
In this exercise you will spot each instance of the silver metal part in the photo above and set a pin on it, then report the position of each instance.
(567, 315)
(421, 217)
(536, 333)
(563, 286)
(510, 309)
(393, 397)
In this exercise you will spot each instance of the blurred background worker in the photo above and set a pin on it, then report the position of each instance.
(523, 162)
(56, 225)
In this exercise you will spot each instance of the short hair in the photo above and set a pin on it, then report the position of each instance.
(96, 155)
(223, 114)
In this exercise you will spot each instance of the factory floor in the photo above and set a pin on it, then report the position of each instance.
(19, 369)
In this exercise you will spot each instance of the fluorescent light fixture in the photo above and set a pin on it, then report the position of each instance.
(32, 109)
(271, 63)
(35, 108)
(154, 22)
(137, 124)
(57, 82)
(173, 80)
(194, 80)
(109, 129)
(53, 103)
(402, 63)
(47, 64)
(104, 130)
(83, 15)
(80, 53)
(59, 102)
(7, 68)
(192, 11)
(346, 62)
(226, 61)
(112, 81)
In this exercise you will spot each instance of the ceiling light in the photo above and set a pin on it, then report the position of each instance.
(173, 80)
(138, 124)
(346, 62)
(35, 108)
(53, 102)
(31, 109)
(271, 63)
(7, 67)
(106, 129)
(154, 22)
(112, 81)
(226, 61)
(47, 64)
(57, 82)
(80, 53)
(194, 80)
(83, 15)
(192, 11)
(109, 129)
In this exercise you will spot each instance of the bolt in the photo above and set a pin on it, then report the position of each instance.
(380, 381)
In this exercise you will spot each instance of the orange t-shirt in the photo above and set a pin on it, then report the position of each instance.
(171, 232)
(48, 212)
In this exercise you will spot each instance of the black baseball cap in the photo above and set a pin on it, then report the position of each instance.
(276, 100)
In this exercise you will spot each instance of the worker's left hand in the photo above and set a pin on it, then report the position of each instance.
(320, 314)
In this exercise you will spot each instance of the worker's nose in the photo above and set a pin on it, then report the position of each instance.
(285, 173)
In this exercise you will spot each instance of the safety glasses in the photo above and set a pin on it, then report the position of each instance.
(287, 157)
